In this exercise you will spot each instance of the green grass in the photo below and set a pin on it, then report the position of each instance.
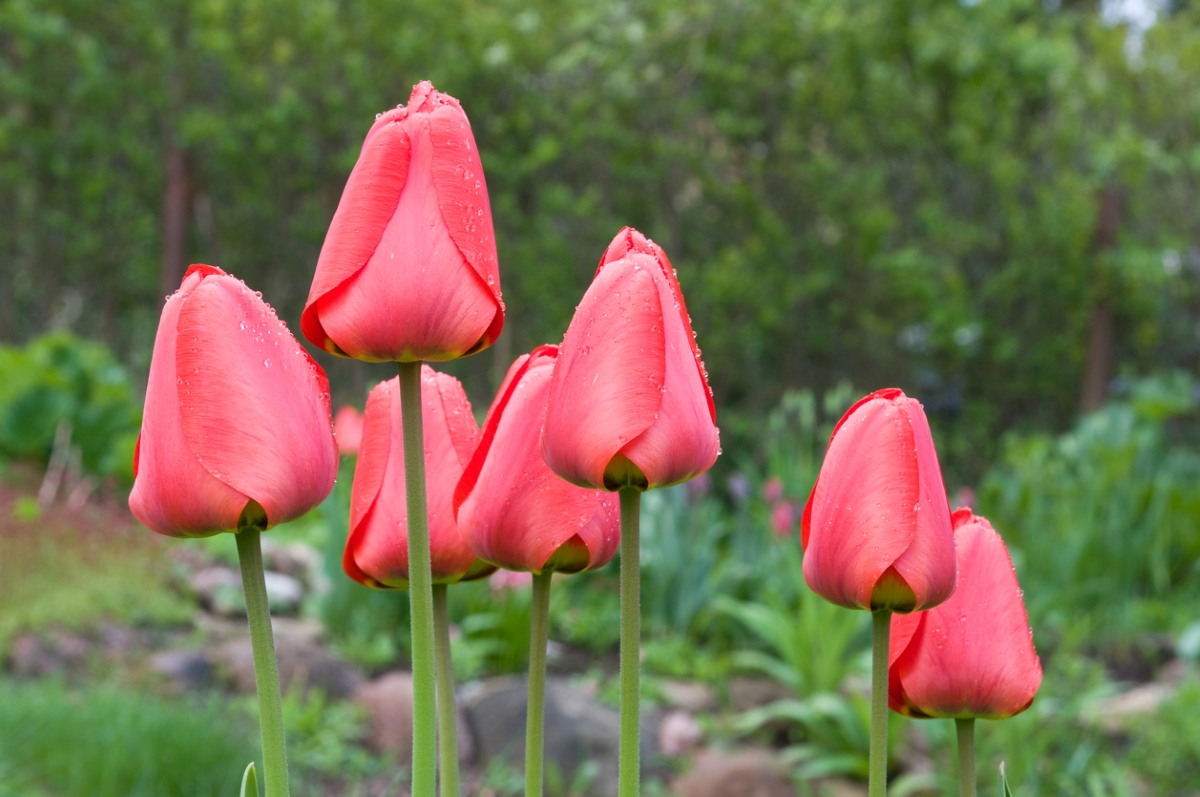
(108, 743)
(78, 579)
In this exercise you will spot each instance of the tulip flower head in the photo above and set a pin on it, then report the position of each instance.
(348, 427)
(236, 429)
(972, 656)
(876, 530)
(408, 271)
(377, 548)
(629, 400)
(511, 508)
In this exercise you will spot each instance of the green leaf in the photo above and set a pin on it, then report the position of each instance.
(1004, 790)
(249, 782)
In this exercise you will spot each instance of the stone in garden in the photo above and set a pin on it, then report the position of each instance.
(296, 559)
(284, 592)
(1114, 714)
(690, 696)
(301, 662)
(578, 730)
(388, 701)
(679, 733)
(750, 773)
(187, 670)
(34, 656)
(219, 589)
(749, 693)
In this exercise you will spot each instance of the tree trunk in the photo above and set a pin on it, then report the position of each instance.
(174, 229)
(1098, 365)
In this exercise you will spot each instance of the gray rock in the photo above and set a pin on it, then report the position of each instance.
(388, 701)
(749, 773)
(284, 592)
(33, 656)
(219, 589)
(691, 696)
(579, 731)
(747, 693)
(679, 733)
(301, 662)
(188, 670)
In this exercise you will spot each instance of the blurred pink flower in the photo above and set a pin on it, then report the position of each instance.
(772, 489)
(783, 518)
(509, 579)
(348, 427)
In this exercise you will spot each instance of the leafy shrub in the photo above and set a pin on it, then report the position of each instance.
(59, 377)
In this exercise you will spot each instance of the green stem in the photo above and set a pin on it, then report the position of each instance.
(420, 581)
(535, 716)
(266, 671)
(629, 748)
(881, 622)
(446, 708)
(966, 756)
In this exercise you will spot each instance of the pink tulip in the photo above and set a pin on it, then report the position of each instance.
(772, 489)
(377, 548)
(783, 518)
(236, 419)
(876, 530)
(512, 509)
(629, 400)
(408, 271)
(973, 655)
(348, 427)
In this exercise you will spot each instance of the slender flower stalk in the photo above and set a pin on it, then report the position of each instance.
(420, 578)
(446, 708)
(966, 756)
(881, 621)
(629, 749)
(535, 719)
(266, 671)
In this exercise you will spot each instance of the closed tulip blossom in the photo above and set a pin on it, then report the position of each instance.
(876, 531)
(237, 426)
(236, 435)
(512, 510)
(377, 548)
(408, 271)
(348, 426)
(629, 401)
(630, 410)
(971, 656)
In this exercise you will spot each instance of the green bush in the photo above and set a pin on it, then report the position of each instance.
(59, 377)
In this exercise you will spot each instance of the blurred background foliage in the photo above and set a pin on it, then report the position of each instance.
(988, 204)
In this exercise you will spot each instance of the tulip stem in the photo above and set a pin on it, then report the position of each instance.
(420, 580)
(881, 621)
(629, 748)
(266, 670)
(535, 716)
(446, 709)
(966, 756)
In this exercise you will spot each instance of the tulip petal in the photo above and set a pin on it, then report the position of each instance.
(973, 655)
(463, 198)
(859, 519)
(367, 205)
(172, 493)
(683, 441)
(929, 563)
(608, 383)
(416, 298)
(513, 510)
(255, 405)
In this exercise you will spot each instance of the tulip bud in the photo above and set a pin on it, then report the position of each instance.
(408, 271)
(377, 548)
(348, 426)
(629, 400)
(876, 530)
(236, 428)
(972, 656)
(511, 508)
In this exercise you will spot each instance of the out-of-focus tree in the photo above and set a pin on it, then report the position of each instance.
(887, 191)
